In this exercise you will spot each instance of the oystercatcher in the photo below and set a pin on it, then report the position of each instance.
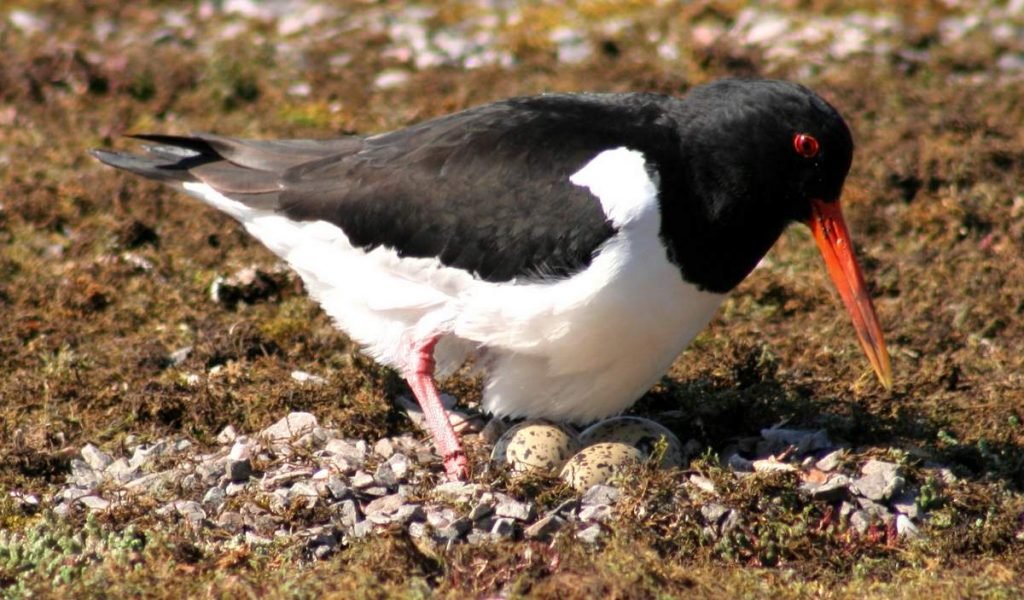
(571, 244)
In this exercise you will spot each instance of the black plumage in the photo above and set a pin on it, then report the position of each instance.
(487, 189)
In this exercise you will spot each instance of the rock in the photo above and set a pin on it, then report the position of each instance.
(480, 510)
(214, 497)
(70, 494)
(772, 465)
(458, 491)
(544, 528)
(362, 480)
(803, 441)
(238, 471)
(879, 480)
(454, 529)
(83, 475)
(337, 488)
(589, 535)
(905, 503)
(859, 521)
(836, 487)
(385, 505)
(831, 461)
(25, 501)
(703, 483)
(362, 529)
(874, 509)
(156, 484)
(286, 475)
(440, 516)
(346, 512)
(304, 493)
(322, 545)
(209, 471)
(520, 511)
(145, 455)
(304, 377)
(566, 509)
(595, 512)
(94, 503)
(179, 356)
(238, 467)
(504, 528)
(352, 453)
(289, 428)
(97, 459)
(714, 513)
(385, 476)
(189, 510)
(231, 521)
(374, 490)
(600, 494)
(277, 502)
(233, 489)
(905, 528)
(411, 512)
(255, 539)
(417, 529)
(400, 465)
(737, 463)
(121, 471)
(384, 448)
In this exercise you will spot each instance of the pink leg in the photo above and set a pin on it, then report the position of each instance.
(421, 379)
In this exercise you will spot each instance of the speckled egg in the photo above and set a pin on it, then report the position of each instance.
(536, 446)
(598, 463)
(642, 434)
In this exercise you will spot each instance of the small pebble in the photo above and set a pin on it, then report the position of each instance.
(96, 458)
(544, 528)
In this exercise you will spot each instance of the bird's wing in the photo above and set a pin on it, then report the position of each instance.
(485, 190)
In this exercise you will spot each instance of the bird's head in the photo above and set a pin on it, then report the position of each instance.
(763, 154)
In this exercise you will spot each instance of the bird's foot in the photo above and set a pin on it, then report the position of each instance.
(456, 466)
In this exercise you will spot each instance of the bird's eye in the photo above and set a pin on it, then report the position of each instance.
(805, 145)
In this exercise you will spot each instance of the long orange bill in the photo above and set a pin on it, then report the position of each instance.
(833, 239)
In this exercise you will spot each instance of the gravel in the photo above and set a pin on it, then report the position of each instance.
(257, 488)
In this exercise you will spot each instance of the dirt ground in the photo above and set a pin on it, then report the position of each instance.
(104, 276)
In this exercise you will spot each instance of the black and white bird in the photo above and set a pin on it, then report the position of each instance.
(571, 244)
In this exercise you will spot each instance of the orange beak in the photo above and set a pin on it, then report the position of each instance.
(829, 229)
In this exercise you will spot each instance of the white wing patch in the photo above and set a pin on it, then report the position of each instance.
(620, 180)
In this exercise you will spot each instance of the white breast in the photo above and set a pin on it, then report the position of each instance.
(577, 349)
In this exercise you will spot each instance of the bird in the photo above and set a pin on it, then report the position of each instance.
(569, 246)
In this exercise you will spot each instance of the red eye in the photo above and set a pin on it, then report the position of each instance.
(805, 145)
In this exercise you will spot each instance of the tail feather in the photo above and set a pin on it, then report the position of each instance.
(156, 165)
(248, 171)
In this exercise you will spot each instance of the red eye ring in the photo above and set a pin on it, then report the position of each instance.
(805, 145)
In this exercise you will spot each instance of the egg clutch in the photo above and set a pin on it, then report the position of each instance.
(586, 459)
